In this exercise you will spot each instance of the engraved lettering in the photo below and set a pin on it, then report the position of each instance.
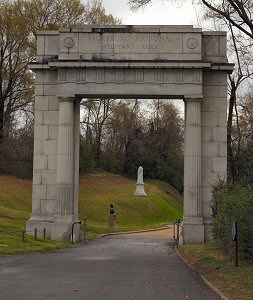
(129, 43)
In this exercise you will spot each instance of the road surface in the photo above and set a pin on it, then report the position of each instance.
(114, 267)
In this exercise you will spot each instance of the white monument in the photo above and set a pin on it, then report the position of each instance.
(140, 184)
(149, 62)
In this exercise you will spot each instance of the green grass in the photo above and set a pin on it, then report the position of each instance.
(162, 205)
(15, 210)
(97, 191)
(235, 282)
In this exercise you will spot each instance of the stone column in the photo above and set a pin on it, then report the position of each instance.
(64, 210)
(193, 228)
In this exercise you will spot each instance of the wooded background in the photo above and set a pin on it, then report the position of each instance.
(119, 135)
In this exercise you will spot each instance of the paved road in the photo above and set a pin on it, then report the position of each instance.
(111, 268)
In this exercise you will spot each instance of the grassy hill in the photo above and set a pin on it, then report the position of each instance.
(162, 205)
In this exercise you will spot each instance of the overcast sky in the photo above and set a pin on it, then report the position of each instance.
(159, 12)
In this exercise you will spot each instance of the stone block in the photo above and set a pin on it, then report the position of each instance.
(35, 206)
(214, 91)
(223, 118)
(51, 45)
(50, 147)
(47, 207)
(41, 103)
(40, 132)
(211, 45)
(40, 162)
(51, 191)
(38, 117)
(214, 104)
(215, 78)
(40, 45)
(220, 164)
(53, 132)
(52, 162)
(220, 134)
(223, 150)
(207, 164)
(61, 227)
(49, 89)
(206, 194)
(37, 177)
(39, 222)
(51, 117)
(39, 89)
(44, 76)
(207, 134)
(223, 46)
(193, 233)
(209, 178)
(210, 119)
(48, 177)
(53, 103)
(39, 191)
(210, 149)
(38, 148)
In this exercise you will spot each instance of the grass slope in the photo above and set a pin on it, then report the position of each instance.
(162, 205)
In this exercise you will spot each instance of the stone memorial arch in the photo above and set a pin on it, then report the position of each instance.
(179, 62)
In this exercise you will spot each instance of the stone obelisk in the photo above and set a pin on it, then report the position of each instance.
(139, 184)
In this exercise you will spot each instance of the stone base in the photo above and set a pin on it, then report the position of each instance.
(112, 220)
(40, 224)
(62, 228)
(140, 190)
(193, 231)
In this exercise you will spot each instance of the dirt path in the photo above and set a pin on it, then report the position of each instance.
(165, 233)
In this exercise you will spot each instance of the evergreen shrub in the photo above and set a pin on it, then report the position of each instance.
(233, 201)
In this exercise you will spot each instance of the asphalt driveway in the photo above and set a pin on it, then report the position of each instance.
(111, 268)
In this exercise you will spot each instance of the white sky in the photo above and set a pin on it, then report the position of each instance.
(159, 12)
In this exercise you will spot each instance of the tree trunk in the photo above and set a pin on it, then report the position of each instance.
(231, 161)
(1, 121)
(7, 123)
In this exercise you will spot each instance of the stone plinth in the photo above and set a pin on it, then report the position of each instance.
(112, 220)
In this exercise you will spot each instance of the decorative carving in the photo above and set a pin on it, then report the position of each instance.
(81, 74)
(100, 75)
(120, 75)
(68, 43)
(159, 75)
(139, 75)
(198, 76)
(178, 76)
(192, 43)
(62, 74)
(135, 76)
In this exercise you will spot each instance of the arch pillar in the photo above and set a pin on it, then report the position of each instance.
(65, 179)
(193, 227)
